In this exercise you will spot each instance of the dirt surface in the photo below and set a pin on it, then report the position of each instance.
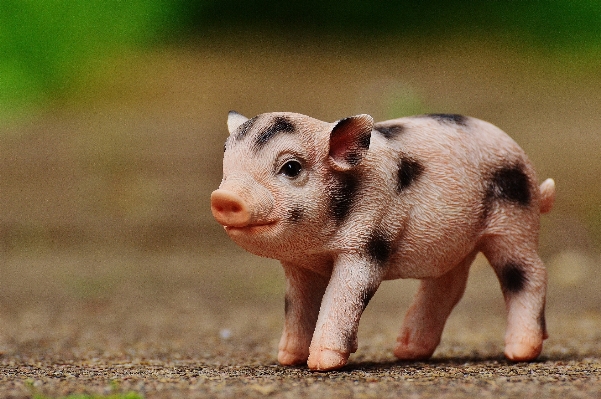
(171, 325)
(113, 277)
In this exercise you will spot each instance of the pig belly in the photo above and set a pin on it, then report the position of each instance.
(430, 247)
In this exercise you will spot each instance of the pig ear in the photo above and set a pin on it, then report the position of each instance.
(349, 141)
(234, 120)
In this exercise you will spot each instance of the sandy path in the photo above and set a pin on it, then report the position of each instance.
(182, 325)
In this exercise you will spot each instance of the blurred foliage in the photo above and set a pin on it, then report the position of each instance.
(542, 22)
(48, 46)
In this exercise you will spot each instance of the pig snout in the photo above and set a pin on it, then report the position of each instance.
(229, 209)
(232, 208)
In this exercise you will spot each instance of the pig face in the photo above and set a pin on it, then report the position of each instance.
(271, 200)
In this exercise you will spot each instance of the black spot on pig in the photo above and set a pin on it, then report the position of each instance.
(244, 128)
(379, 248)
(510, 183)
(390, 132)
(295, 214)
(353, 158)
(365, 141)
(450, 118)
(366, 296)
(342, 195)
(513, 278)
(279, 125)
(409, 171)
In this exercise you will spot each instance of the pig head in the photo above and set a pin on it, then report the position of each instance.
(278, 185)
(349, 204)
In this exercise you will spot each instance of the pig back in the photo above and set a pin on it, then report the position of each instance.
(425, 189)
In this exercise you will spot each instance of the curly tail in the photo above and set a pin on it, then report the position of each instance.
(547, 195)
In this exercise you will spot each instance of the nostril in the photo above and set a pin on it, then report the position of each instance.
(228, 208)
(232, 207)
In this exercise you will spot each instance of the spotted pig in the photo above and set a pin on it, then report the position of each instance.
(346, 205)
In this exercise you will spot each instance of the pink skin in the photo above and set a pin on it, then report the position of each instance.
(229, 209)
(278, 199)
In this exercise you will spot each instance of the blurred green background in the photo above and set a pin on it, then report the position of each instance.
(112, 123)
(51, 49)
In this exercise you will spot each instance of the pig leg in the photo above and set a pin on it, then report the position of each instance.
(304, 291)
(523, 280)
(433, 303)
(353, 282)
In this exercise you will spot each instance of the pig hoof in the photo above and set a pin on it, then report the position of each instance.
(522, 351)
(413, 352)
(326, 359)
(286, 358)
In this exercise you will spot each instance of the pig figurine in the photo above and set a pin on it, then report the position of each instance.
(346, 205)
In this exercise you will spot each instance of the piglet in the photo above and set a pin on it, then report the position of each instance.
(346, 205)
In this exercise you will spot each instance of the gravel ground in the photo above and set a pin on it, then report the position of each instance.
(438, 378)
(168, 325)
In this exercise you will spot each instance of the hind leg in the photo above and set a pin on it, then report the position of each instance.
(523, 280)
(433, 303)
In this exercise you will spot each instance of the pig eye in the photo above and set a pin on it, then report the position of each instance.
(291, 169)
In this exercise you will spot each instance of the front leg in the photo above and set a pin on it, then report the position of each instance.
(304, 290)
(353, 282)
